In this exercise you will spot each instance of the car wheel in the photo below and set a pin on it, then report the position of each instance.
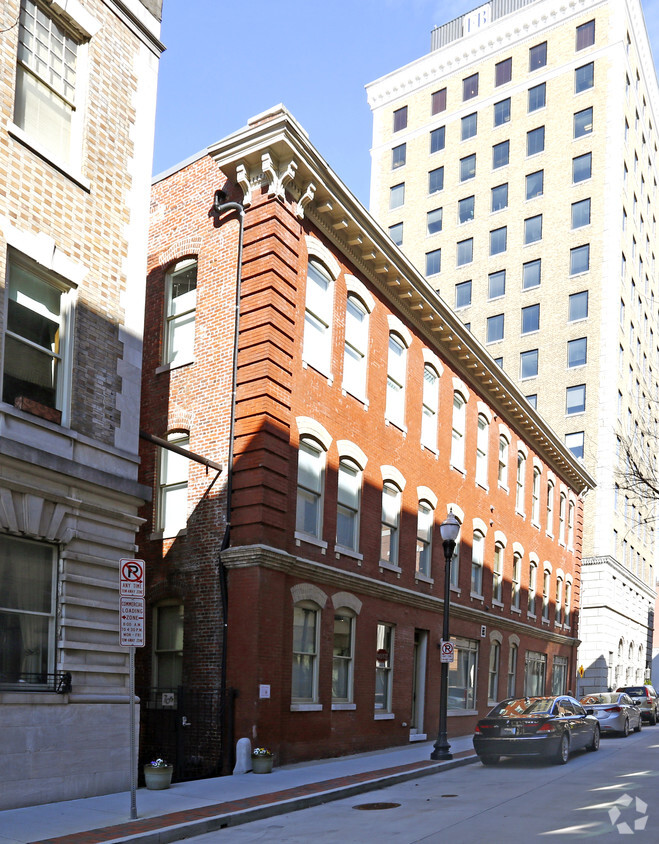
(595, 743)
(625, 729)
(490, 760)
(563, 751)
(653, 718)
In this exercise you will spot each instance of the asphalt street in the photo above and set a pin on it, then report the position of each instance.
(599, 795)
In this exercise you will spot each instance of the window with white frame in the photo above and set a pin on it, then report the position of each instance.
(38, 337)
(570, 525)
(546, 578)
(181, 295)
(521, 476)
(477, 558)
(45, 99)
(168, 645)
(497, 573)
(455, 566)
(310, 487)
(502, 475)
(561, 518)
(356, 347)
(343, 656)
(493, 674)
(533, 585)
(424, 526)
(28, 595)
(462, 675)
(482, 440)
(396, 371)
(348, 504)
(568, 598)
(458, 431)
(535, 497)
(173, 491)
(316, 349)
(559, 675)
(306, 618)
(390, 524)
(516, 582)
(384, 664)
(559, 600)
(550, 507)
(430, 406)
(512, 670)
(535, 673)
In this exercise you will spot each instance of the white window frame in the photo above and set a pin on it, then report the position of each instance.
(355, 353)
(318, 317)
(535, 673)
(558, 613)
(388, 524)
(430, 407)
(513, 652)
(458, 431)
(562, 503)
(504, 451)
(424, 531)
(497, 573)
(344, 662)
(463, 668)
(493, 672)
(349, 505)
(515, 587)
(550, 507)
(180, 313)
(172, 516)
(477, 563)
(172, 649)
(546, 586)
(396, 379)
(535, 496)
(308, 650)
(307, 493)
(520, 482)
(570, 524)
(384, 668)
(482, 447)
(533, 586)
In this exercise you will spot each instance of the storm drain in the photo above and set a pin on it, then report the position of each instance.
(370, 807)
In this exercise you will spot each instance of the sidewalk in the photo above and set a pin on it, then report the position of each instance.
(193, 808)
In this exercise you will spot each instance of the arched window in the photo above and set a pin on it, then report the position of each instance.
(316, 348)
(517, 576)
(430, 406)
(482, 441)
(343, 655)
(535, 497)
(173, 486)
(306, 624)
(561, 519)
(355, 360)
(568, 599)
(424, 526)
(559, 600)
(546, 580)
(533, 581)
(458, 431)
(512, 669)
(396, 373)
(348, 504)
(310, 487)
(390, 524)
(550, 507)
(181, 303)
(570, 525)
(493, 673)
(503, 461)
(477, 558)
(497, 573)
(521, 477)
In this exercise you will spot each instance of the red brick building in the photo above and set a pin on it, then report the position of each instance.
(364, 412)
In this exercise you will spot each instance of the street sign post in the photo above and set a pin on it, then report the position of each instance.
(446, 651)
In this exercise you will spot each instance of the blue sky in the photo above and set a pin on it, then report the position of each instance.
(227, 61)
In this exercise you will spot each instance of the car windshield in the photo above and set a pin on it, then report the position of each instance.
(522, 706)
(634, 691)
(605, 697)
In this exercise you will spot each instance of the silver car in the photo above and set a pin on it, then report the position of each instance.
(615, 711)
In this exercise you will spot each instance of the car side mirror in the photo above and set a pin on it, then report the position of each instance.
(590, 712)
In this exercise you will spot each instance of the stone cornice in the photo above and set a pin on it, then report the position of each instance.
(620, 571)
(247, 556)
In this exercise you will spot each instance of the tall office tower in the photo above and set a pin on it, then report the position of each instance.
(516, 165)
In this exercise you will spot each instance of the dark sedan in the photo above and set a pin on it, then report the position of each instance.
(536, 726)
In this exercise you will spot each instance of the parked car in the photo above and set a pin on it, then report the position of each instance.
(615, 711)
(536, 726)
(646, 698)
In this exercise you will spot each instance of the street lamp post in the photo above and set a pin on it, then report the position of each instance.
(449, 530)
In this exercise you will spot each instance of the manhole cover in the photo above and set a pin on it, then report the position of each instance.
(367, 807)
(448, 795)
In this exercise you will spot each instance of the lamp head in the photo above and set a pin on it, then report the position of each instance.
(450, 528)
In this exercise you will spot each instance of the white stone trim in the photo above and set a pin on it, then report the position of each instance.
(315, 249)
(308, 427)
(391, 473)
(347, 599)
(358, 288)
(347, 448)
(500, 538)
(424, 493)
(308, 592)
(396, 326)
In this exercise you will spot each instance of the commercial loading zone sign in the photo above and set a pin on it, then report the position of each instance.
(131, 603)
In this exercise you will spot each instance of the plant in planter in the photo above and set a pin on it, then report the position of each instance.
(158, 774)
(262, 760)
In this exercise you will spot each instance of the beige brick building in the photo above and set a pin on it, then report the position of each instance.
(77, 108)
(516, 165)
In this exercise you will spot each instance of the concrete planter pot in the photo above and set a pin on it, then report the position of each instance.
(262, 764)
(158, 778)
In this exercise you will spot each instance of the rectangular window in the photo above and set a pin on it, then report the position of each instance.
(582, 167)
(535, 672)
(502, 112)
(495, 328)
(397, 195)
(493, 675)
(578, 306)
(342, 657)
(437, 139)
(436, 180)
(500, 154)
(498, 240)
(482, 449)
(535, 141)
(434, 221)
(532, 399)
(463, 294)
(580, 213)
(430, 404)
(575, 443)
(538, 56)
(168, 646)
(458, 431)
(316, 347)
(467, 167)
(585, 35)
(398, 156)
(181, 285)
(503, 72)
(533, 574)
(580, 259)
(546, 578)
(530, 319)
(391, 500)
(583, 122)
(396, 375)
(500, 197)
(44, 104)
(515, 590)
(528, 364)
(502, 470)
(468, 126)
(355, 346)
(537, 97)
(577, 352)
(310, 483)
(531, 274)
(497, 574)
(384, 663)
(535, 497)
(348, 501)
(575, 399)
(496, 284)
(535, 184)
(512, 670)
(559, 676)
(396, 233)
(533, 229)
(424, 525)
(304, 687)
(173, 487)
(470, 87)
(466, 209)
(438, 101)
(465, 252)
(462, 675)
(433, 262)
(37, 342)
(28, 574)
(400, 119)
(584, 77)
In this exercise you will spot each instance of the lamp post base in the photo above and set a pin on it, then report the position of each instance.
(441, 751)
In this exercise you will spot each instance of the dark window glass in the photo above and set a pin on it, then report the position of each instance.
(495, 328)
(467, 167)
(463, 294)
(500, 197)
(535, 140)
(469, 126)
(575, 399)
(496, 284)
(528, 364)
(583, 122)
(436, 180)
(503, 72)
(578, 306)
(470, 87)
(580, 259)
(582, 167)
(465, 251)
(538, 56)
(537, 97)
(438, 101)
(533, 229)
(437, 139)
(466, 209)
(580, 213)
(400, 119)
(577, 352)
(531, 274)
(530, 319)
(434, 221)
(500, 154)
(396, 233)
(586, 35)
(534, 184)
(502, 112)
(584, 77)
(498, 240)
(433, 262)
(398, 156)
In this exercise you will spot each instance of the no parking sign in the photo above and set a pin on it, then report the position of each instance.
(447, 651)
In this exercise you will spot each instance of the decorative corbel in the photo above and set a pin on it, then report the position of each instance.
(305, 199)
(243, 180)
(277, 181)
